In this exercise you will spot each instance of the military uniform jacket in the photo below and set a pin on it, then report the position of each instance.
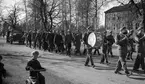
(123, 43)
(111, 40)
(140, 44)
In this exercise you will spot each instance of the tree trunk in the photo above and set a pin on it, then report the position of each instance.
(70, 14)
(143, 6)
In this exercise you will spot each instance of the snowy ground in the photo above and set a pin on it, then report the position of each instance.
(62, 69)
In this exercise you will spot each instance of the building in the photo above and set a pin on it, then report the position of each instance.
(123, 16)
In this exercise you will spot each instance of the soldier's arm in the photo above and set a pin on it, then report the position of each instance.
(120, 41)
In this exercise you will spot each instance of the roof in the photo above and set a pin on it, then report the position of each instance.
(126, 7)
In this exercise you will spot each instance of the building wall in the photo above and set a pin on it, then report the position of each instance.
(115, 21)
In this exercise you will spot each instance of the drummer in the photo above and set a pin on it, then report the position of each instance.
(89, 52)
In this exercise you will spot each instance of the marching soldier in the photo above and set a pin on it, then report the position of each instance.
(78, 38)
(68, 41)
(39, 40)
(35, 40)
(63, 41)
(111, 41)
(58, 40)
(44, 42)
(89, 52)
(122, 41)
(141, 50)
(131, 45)
(51, 41)
(29, 38)
(104, 49)
(85, 41)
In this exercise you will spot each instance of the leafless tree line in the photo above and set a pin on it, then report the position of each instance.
(47, 15)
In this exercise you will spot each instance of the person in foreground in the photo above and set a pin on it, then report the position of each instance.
(34, 66)
(2, 71)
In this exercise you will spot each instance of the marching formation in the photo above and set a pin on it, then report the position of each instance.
(61, 42)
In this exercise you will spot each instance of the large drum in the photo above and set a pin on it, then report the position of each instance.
(95, 39)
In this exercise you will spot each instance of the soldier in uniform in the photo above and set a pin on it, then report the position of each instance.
(35, 40)
(131, 45)
(78, 38)
(85, 41)
(58, 40)
(89, 52)
(111, 41)
(8, 35)
(63, 41)
(104, 49)
(39, 40)
(68, 41)
(44, 42)
(29, 38)
(122, 41)
(51, 41)
(141, 50)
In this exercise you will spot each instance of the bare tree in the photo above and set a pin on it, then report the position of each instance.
(13, 17)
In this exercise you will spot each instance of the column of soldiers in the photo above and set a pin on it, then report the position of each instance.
(56, 41)
(59, 41)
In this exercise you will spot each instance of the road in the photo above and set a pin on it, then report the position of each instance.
(62, 69)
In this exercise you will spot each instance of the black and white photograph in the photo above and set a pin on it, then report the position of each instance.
(72, 41)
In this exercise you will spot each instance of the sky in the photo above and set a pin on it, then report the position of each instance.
(9, 3)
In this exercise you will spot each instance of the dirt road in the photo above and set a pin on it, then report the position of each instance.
(62, 69)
